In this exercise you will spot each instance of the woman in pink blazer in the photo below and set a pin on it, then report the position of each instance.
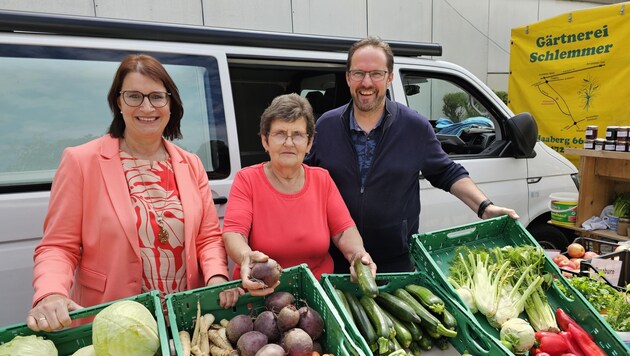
(129, 212)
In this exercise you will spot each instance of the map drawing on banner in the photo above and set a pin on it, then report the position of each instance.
(570, 72)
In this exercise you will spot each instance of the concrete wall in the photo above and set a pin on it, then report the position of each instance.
(474, 33)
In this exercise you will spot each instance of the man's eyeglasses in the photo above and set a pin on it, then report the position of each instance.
(280, 137)
(375, 75)
(135, 98)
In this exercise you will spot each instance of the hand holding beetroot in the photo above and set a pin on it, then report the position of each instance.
(259, 273)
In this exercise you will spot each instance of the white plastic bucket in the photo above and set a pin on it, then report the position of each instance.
(563, 207)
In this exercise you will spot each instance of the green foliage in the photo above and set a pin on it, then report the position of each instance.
(502, 95)
(456, 107)
(621, 205)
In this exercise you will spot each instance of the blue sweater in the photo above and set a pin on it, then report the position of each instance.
(386, 208)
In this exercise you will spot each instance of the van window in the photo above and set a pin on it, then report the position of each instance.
(461, 122)
(255, 83)
(56, 97)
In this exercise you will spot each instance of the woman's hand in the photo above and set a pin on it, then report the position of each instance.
(228, 297)
(366, 259)
(254, 288)
(51, 313)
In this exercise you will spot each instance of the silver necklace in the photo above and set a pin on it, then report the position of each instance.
(163, 235)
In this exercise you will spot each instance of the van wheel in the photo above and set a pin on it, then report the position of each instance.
(549, 237)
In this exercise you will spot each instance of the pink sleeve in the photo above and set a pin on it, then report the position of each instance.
(209, 241)
(59, 251)
(239, 210)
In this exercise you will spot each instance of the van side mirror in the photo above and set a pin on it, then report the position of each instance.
(523, 132)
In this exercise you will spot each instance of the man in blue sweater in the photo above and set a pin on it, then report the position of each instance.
(375, 149)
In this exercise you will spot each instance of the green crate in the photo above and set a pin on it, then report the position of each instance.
(470, 336)
(298, 280)
(68, 341)
(432, 254)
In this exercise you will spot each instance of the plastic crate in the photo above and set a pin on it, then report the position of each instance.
(298, 280)
(470, 336)
(606, 250)
(68, 341)
(432, 253)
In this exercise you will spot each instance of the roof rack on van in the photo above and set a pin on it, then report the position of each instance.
(18, 21)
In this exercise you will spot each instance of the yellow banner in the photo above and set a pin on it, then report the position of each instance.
(571, 71)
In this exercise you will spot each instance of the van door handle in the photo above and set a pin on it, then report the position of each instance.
(220, 200)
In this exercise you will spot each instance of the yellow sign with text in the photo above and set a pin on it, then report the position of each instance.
(572, 71)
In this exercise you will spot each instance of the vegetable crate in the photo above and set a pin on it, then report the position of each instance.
(68, 341)
(470, 336)
(606, 250)
(432, 254)
(298, 280)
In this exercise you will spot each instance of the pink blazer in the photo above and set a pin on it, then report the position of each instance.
(90, 249)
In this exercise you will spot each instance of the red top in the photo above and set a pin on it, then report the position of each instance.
(289, 228)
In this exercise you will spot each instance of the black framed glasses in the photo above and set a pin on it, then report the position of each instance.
(375, 75)
(280, 137)
(135, 98)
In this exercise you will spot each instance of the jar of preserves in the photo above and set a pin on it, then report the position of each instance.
(591, 132)
(599, 144)
(611, 132)
(609, 145)
(622, 133)
(589, 144)
(621, 146)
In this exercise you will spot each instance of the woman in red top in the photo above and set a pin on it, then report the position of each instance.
(284, 209)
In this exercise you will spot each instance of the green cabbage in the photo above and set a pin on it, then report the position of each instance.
(125, 328)
(85, 351)
(28, 346)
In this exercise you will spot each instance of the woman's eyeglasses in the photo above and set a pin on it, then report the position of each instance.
(280, 137)
(135, 98)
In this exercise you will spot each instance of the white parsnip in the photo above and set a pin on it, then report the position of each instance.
(184, 339)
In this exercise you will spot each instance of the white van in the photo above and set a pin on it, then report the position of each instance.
(55, 72)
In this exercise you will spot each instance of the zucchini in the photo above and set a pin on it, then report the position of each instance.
(344, 302)
(426, 297)
(403, 335)
(361, 319)
(379, 321)
(414, 329)
(397, 307)
(415, 348)
(429, 321)
(426, 343)
(441, 342)
(365, 279)
(448, 320)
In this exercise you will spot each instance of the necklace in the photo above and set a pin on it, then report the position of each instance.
(163, 235)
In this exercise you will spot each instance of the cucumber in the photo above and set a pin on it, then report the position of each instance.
(403, 335)
(426, 297)
(397, 307)
(361, 319)
(379, 321)
(365, 279)
(429, 321)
